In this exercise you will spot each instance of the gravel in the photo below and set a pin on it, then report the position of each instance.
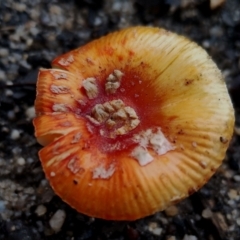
(32, 33)
(57, 220)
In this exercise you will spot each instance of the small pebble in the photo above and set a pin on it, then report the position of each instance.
(171, 238)
(186, 3)
(189, 237)
(21, 161)
(219, 220)
(236, 178)
(20, 7)
(13, 228)
(216, 3)
(233, 194)
(154, 228)
(4, 52)
(206, 44)
(24, 64)
(231, 203)
(2, 206)
(207, 213)
(9, 83)
(2, 75)
(8, 93)
(29, 190)
(15, 134)
(30, 160)
(57, 220)
(117, 6)
(30, 112)
(16, 150)
(34, 14)
(54, 9)
(171, 211)
(163, 220)
(11, 115)
(40, 226)
(238, 221)
(216, 31)
(97, 21)
(40, 210)
(228, 174)
(5, 129)
(231, 228)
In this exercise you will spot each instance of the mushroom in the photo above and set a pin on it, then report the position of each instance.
(132, 123)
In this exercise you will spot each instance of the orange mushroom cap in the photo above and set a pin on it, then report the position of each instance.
(132, 122)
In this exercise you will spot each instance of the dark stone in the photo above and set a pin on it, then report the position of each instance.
(29, 79)
(94, 4)
(2, 226)
(68, 40)
(132, 233)
(22, 70)
(4, 41)
(150, 10)
(92, 14)
(37, 61)
(233, 163)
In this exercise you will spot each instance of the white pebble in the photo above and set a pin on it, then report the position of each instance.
(4, 52)
(24, 64)
(30, 160)
(8, 93)
(233, 194)
(206, 44)
(2, 76)
(154, 228)
(30, 112)
(231, 202)
(57, 220)
(236, 178)
(238, 221)
(15, 134)
(157, 231)
(40, 210)
(206, 213)
(21, 161)
(9, 83)
(189, 237)
(117, 6)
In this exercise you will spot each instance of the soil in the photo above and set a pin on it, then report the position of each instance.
(32, 33)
